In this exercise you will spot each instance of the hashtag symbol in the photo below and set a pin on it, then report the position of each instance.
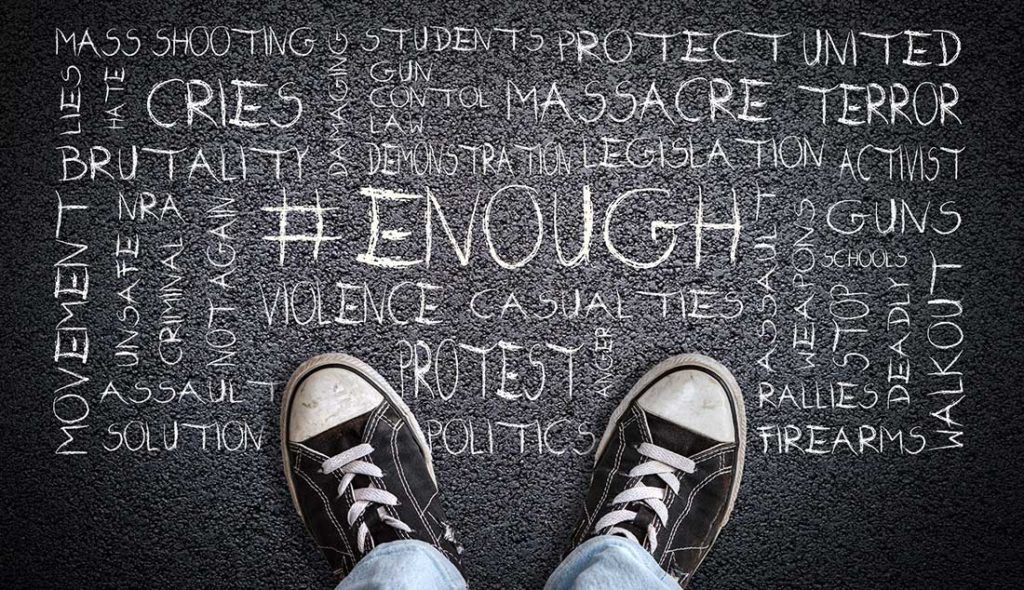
(283, 238)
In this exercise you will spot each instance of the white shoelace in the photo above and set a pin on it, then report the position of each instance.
(663, 463)
(351, 464)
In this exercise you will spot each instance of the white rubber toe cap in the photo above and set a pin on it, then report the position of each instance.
(693, 400)
(328, 397)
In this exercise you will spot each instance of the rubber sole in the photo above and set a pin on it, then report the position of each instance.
(367, 372)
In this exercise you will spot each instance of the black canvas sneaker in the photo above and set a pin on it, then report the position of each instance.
(668, 467)
(357, 464)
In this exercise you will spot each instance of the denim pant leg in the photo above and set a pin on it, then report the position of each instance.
(404, 565)
(608, 562)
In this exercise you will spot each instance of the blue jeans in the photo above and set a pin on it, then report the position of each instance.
(602, 563)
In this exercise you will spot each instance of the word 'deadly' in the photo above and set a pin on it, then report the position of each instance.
(528, 226)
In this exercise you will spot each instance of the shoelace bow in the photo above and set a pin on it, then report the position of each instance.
(664, 464)
(351, 463)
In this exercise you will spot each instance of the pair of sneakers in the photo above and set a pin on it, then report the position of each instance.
(666, 474)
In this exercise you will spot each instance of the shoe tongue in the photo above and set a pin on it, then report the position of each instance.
(380, 531)
(639, 525)
(677, 439)
(339, 438)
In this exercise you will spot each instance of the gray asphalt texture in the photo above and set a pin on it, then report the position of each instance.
(190, 519)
